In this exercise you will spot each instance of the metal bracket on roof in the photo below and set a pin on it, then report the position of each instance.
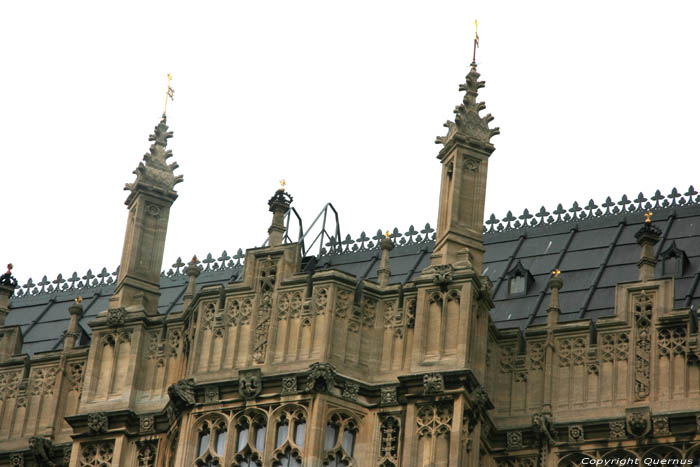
(304, 235)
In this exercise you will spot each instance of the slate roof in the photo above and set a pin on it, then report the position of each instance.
(593, 246)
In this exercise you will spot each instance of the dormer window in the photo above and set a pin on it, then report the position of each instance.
(516, 285)
(519, 280)
(673, 261)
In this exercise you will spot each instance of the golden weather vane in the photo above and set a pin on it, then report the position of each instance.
(169, 94)
(556, 273)
(647, 217)
(476, 41)
(283, 182)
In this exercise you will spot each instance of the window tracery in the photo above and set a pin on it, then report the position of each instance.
(211, 442)
(290, 433)
(339, 441)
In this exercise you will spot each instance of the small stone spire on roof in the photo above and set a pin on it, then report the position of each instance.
(7, 288)
(154, 173)
(384, 271)
(555, 283)
(279, 205)
(647, 237)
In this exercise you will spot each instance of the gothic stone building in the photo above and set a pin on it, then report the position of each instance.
(553, 339)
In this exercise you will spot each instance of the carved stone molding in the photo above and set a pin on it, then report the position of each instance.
(17, 460)
(576, 434)
(289, 385)
(249, 383)
(321, 378)
(97, 422)
(211, 394)
(181, 394)
(514, 440)
(617, 430)
(350, 390)
(433, 383)
(638, 421)
(147, 424)
(116, 317)
(660, 426)
(388, 395)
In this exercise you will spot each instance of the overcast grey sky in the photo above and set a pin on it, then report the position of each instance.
(343, 100)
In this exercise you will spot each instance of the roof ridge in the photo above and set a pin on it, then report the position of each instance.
(575, 213)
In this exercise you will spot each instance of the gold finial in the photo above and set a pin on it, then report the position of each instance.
(78, 299)
(387, 234)
(647, 217)
(556, 273)
(168, 94)
(283, 182)
(476, 41)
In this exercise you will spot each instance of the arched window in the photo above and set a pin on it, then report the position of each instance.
(211, 442)
(289, 437)
(251, 429)
(339, 441)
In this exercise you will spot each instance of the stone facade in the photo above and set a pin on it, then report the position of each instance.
(286, 367)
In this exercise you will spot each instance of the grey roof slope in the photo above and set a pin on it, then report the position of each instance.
(594, 248)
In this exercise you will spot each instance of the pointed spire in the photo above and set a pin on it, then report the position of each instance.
(154, 173)
(469, 126)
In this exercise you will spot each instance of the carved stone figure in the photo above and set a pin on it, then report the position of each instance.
(116, 317)
(249, 383)
(182, 394)
(433, 383)
(97, 422)
(321, 378)
(41, 451)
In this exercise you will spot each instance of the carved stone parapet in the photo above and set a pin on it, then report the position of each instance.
(249, 383)
(97, 422)
(181, 394)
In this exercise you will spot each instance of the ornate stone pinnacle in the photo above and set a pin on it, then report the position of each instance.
(154, 172)
(469, 126)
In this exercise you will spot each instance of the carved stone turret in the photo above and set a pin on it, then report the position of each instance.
(279, 205)
(152, 195)
(384, 271)
(464, 157)
(647, 237)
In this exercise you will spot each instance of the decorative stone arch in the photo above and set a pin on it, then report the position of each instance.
(622, 454)
(663, 452)
(210, 438)
(340, 436)
(693, 453)
(288, 430)
(249, 429)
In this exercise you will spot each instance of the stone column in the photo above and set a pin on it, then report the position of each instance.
(192, 270)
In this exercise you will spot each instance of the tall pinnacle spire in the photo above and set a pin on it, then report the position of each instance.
(469, 127)
(464, 157)
(154, 173)
(152, 195)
